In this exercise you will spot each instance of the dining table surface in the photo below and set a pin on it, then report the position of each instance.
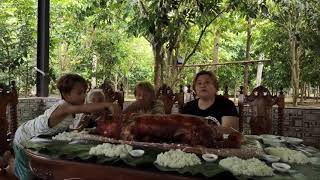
(48, 166)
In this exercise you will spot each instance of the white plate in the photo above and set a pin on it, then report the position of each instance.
(292, 140)
(272, 140)
(269, 136)
(311, 149)
(225, 136)
(270, 158)
(137, 153)
(252, 136)
(40, 140)
(209, 157)
(314, 160)
(282, 167)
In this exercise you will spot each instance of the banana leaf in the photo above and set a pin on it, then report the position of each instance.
(80, 152)
(206, 169)
(148, 158)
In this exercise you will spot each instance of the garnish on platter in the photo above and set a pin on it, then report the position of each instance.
(67, 136)
(249, 167)
(177, 159)
(288, 155)
(111, 150)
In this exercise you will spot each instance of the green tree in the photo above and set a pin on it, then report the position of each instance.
(293, 17)
(17, 42)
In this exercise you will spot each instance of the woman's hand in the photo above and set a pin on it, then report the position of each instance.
(114, 109)
(84, 122)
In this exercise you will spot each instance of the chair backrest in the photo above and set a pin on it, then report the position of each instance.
(165, 94)
(226, 92)
(179, 98)
(260, 102)
(8, 115)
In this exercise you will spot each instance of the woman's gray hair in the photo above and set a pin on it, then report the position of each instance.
(93, 92)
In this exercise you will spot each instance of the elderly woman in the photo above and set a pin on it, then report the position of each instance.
(220, 109)
(146, 101)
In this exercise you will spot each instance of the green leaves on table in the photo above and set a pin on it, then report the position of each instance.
(207, 169)
(81, 152)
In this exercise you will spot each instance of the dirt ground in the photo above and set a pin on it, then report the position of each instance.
(306, 103)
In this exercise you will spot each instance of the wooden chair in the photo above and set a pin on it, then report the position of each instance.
(226, 92)
(8, 117)
(260, 102)
(165, 94)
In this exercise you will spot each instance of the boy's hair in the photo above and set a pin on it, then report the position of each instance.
(146, 87)
(66, 83)
(212, 76)
(92, 93)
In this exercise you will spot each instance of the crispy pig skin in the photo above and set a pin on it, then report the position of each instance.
(173, 128)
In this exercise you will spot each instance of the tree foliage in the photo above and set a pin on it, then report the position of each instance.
(130, 41)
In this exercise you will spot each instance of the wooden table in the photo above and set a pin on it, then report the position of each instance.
(49, 168)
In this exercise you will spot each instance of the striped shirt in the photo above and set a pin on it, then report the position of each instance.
(40, 125)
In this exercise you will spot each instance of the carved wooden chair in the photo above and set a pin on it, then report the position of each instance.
(165, 94)
(226, 92)
(260, 102)
(8, 118)
(179, 98)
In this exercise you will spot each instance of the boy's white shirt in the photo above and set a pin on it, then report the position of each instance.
(40, 126)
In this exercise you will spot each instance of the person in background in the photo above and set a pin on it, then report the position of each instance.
(188, 95)
(56, 119)
(110, 94)
(121, 90)
(209, 104)
(146, 101)
(89, 120)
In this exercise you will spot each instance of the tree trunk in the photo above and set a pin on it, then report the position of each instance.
(318, 93)
(116, 82)
(162, 69)
(303, 90)
(295, 69)
(235, 93)
(246, 66)
(305, 93)
(27, 80)
(94, 70)
(216, 50)
(158, 56)
(63, 55)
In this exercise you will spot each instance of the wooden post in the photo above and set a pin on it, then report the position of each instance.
(240, 105)
(43, 48)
